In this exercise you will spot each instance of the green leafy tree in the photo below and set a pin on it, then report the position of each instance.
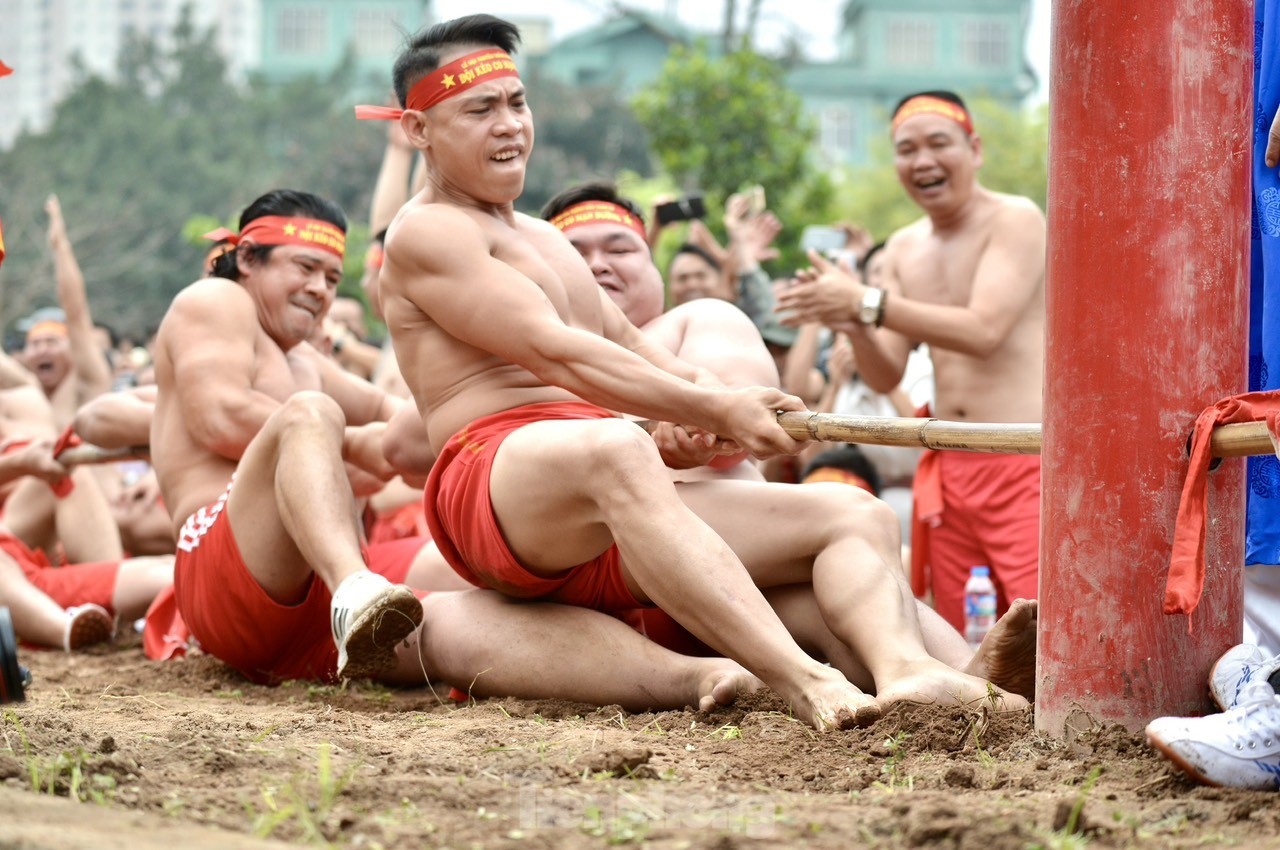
(170, 138)
(719, 124)
(583, 133)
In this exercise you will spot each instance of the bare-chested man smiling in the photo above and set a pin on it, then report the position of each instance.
(968, 279)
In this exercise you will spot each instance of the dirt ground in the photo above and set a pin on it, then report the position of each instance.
(188, 754)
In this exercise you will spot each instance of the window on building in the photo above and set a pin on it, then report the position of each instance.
(376, 31)
(836, 132)
(910, 42)
(985, 44)
(301, 30)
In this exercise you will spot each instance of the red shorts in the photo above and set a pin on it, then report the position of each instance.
(393, 559)
(990, 516)
(397, 524)
(79, 584)
(234, 619)
(460, 516)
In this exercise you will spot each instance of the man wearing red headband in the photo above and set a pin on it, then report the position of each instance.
(968, 279)
(504, 337)
(250, 432)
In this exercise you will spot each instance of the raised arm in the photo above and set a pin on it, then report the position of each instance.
(89, 365)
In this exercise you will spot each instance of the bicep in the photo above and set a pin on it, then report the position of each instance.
(1011, 270)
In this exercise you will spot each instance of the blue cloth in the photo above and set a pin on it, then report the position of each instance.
(1262, 527)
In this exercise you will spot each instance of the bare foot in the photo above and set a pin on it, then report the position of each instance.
(833, 703)
(931, 682)
(1007, 656)
(723, 683)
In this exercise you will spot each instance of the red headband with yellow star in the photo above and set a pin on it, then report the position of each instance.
(288, 230)
(446, 81)
(596, 212)
(926, 104)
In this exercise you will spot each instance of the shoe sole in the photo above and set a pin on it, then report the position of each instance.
(1182, 763)
(371, 642)
(89, 628)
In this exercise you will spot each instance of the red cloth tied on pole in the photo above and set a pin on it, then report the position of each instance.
(5, 70)
(1186, 565)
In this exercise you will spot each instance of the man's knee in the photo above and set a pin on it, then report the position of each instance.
(618, 450)
(308, 410)
(851, 510)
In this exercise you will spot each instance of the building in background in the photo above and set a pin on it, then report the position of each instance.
(302, 37)
(886, 49)
(891, 48)
(42, 39)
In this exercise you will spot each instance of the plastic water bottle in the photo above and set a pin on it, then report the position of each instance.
(979, 605)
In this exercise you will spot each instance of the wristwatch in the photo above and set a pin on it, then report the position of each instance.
(871, 310)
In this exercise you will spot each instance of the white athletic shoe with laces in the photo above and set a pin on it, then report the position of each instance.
(369, 616)
(1239, 666)
(1239, 748)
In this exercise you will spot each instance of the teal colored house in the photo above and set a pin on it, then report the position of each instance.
(302, 37)
(627, 51)
(890, 48)
(885, 49)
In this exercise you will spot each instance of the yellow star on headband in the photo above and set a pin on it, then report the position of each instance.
(448, 81)
(290, 229)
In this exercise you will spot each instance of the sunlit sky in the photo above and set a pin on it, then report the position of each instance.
(813, 21)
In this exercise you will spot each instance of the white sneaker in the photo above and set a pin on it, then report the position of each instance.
(369, 616)
(1239, 748)
(1238, 667)
(87, 625)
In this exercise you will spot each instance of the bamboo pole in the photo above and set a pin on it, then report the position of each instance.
(1238, 440)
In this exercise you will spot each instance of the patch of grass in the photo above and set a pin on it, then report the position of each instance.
(304, 801)
(726, 732)
(892, 768)
(1069, 836)
(70, 773)
(628, 827)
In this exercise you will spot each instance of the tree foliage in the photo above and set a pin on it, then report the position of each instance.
(720, 124)
(169, 139)
(583, 133)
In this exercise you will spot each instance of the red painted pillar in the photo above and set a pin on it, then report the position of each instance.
(1150, 104)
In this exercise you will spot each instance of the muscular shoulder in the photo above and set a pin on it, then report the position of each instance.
(209, 311)
(1017, 210)
(211, 296)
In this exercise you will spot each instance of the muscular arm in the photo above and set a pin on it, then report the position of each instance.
(487, 304)
(214, 325)
(117, 420)
(89, 365)
(618, 329)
